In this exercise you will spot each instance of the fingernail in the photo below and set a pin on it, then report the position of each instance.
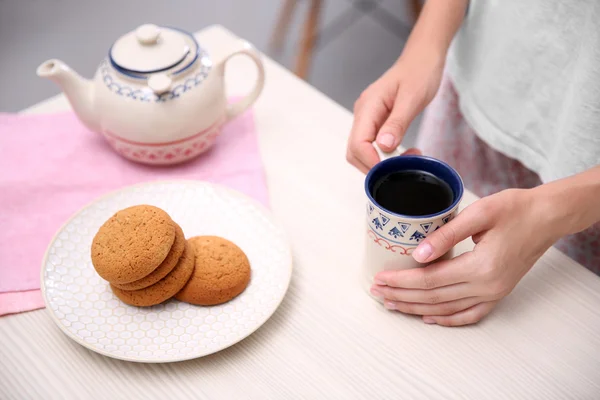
(423, 252)
(428, 320)
(389, 305)
(386, 139)
(379, 282)
(376, 292)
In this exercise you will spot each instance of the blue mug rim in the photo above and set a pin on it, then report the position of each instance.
(459, 183)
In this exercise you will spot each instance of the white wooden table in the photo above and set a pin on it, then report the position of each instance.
(328, 339)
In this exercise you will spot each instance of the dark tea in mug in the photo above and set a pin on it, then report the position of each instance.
(412, 192)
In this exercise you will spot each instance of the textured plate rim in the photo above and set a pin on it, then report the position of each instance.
(217, 349)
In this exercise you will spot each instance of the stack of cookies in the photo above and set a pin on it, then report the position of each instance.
(147, 260)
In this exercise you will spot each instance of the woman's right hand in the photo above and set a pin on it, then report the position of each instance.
(384, 111)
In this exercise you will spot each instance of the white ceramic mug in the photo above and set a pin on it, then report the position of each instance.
(391, 238)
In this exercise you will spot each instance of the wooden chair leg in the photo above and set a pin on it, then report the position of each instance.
(309, 37)
(415, 9)
(283, 22)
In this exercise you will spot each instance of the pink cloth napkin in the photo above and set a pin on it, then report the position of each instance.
(51, 166)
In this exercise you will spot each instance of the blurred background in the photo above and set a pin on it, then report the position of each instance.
(314, 39)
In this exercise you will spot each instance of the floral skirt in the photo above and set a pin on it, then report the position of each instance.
(444, 134)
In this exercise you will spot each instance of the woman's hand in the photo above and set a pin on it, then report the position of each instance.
(511, 230)
(386, 108)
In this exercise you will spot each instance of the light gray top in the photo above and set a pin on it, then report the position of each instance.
(528, 76)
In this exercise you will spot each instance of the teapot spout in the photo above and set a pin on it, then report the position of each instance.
(79, 91)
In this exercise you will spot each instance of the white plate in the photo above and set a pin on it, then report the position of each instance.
(83, 306)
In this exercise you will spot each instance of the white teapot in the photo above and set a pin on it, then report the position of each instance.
(157, 97)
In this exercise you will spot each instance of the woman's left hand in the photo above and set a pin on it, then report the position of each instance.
(511, 230)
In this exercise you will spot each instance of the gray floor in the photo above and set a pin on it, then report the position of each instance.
(363, 36)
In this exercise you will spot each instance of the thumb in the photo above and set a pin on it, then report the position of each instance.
(467, 223)
(392, 131)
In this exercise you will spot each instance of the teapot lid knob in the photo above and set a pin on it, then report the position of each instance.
(160, 83)
(147, 33)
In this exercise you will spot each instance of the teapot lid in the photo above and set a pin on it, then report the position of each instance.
(151, 48)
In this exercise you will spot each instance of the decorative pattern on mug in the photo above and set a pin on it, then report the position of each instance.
(394, 248)
(417, 236)
(404, 234)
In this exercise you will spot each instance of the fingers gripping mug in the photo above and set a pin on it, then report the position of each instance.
(408, 198)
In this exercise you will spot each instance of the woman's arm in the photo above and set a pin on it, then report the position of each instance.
(438, 23)
(387, 107)
(573, 203)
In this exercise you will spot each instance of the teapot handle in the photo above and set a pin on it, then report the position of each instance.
(235, 109)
